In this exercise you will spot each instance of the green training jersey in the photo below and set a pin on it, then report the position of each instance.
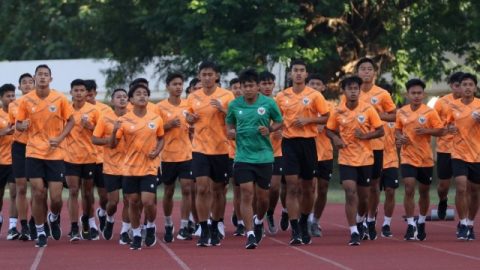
(252, 147)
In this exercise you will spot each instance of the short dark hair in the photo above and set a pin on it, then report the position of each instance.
(91, 85)
(77, 82)
(134, 88)
(266, 76)
(350, 80)
(470, 76)
(234, 81)
(43, 66)
(8, 87)
(172, 76)
(24, 75)
(118, 90)
(209, 64)
(248, 75)
(415, 82)
(455, 77)
(137, 81)
(315, 76)
(365, 60)
(299, 62)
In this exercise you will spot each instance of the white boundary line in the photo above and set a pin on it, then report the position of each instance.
(38, 258)
(174, 256)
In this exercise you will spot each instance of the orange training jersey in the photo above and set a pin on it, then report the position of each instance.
(102, 108)
(308, 103)
(5, 141)
(113, 158)
(78, 144)
(276, 142)
(150, 107)
(364, 117)
(418, 152)
(18, 136)
(178, 146)
(210, 135)
(390, 154)
(442, 106)
(466, 143)
(324, 145)
(140, 135)
(47, 119)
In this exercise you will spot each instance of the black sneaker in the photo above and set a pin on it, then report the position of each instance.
(315, 229)
(354, 239)
(215, 237)
(191, 227)
(75, 235)
(372, 231)
(136, 243)
(462, 232)
(108, 231)
(32, 229)
(258, 231)
(41, 241)
(442, 209)
(296, 239)
(284, 222)
(386, 232)
(85, 230)
(240, 231)
(365, 231)
(306, 238)
(458, 228)
(24, 234)
(48, 231)
(471, 233)
(101, 219)
(361, 230)
(168, 237)
(94, 234)
(421, 234)
(272, 229)
(55, 227)
(151, 237)
(251, 242)
(184, 234)
(13, 234)
(124, 239)
(204, 240)
(234, 220)
(411, 233)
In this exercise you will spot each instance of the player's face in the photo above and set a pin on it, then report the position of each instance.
(79, 93)
(175, 87)
(197, 86)
(468, 88)
(8, 97)
(236, 89)
(208, 76)
(266, 87)
(91, 96)
(299, 74)
(317, 85)
(43, 77)
(26, 85)
(456, 89)
(416, 94)
(140, 97)
(250, 90)
(120, 100)
(352, 91)
(366, 72)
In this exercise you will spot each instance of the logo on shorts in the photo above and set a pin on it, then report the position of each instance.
(52, 108)
(152, 186)
(361, 118)
(151, 125)
(374, 100)
(305, 101)
(396, 181)
(261, 111)
(391, 124)
(422, 120)
(90, 173)
(368, 180)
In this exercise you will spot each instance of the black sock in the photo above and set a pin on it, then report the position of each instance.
(23, 223)
(294, 224)
(204, 226)
(74, 226)
(220, 220)
(303, 218)
(214, 224)
(270, 212)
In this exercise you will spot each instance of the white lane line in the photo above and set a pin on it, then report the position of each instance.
(174, 256)
(337, 264)
(38, 258)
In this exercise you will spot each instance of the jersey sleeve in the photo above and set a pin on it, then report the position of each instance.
(374, 118)
(275, 114)
(387, 104)
(99, 130)
(160, 130)
(22, 111)
(67, 109)
(434, 120)
(332, 121)
(321, 105)
(230, 118)
(398, 121)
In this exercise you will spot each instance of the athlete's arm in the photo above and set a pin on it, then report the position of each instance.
(55, 142)
(231, 131)
(337, 141)
(7, 130)
(388, 116)
(377, 133)
(113, 137)
(172, 124)
(302, 121)
(101, 141)
(158, 148)
(430, 131)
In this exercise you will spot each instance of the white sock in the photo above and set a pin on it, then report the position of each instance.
(40, 229)
(13, 223)
(463, 221)
(125, 227)
(410, 221)
(190, 217)
(137, 232)
(469, 222)
(110, 219)
(168, 221)
(151, 225)
(421, 219)
(209, 221)
(91, 223)
(387, 220)
(353, 229)
(284, 210)
(258, 221)
(102, 212)
(311, 218)
(240, 222)
(1, 217)
(250, 233)
(183, 223)
(370, 219)
(360, 219)
(52, 217)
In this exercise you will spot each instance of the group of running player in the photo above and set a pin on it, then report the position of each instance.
(269, 147)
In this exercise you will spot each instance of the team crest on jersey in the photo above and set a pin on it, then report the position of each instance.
(391, 124)
(374, 100)
(85, 116)
(151, 125)
(305, 101)
(422, 120)
(261, 111)
(361, 118)
(52, 108)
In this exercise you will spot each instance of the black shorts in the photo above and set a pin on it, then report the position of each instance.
(324, 169)
(469, 169)
(98, 176)
(173, 170)
(389, 178)
(213, 166)
(377, 164)
(18, 159)
(230, 167)
(84, 171)
(138, 184)
(278, 166)
(6, 175)
(299, 157)
(112, 182)
(48, 170)
(360, 174)
(422, 174)
(260, 173)
(444, 166)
